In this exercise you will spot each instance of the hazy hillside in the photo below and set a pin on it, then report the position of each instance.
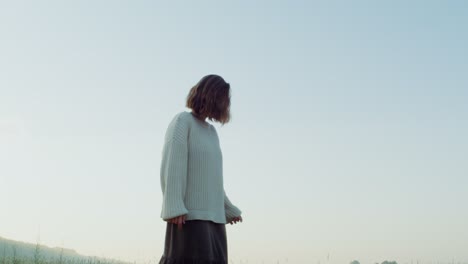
(16, 252)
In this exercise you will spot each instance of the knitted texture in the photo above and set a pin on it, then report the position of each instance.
(192, 172)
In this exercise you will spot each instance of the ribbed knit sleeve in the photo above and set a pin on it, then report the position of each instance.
(174, 169)
(231, 210)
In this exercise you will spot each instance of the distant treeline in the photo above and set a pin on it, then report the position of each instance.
(15, 252)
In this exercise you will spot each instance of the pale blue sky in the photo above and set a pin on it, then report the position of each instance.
(348, 135)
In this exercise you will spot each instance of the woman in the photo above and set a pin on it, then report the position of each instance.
(195, 204)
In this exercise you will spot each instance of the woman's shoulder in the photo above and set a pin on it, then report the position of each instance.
(178, 124)
(182, 116)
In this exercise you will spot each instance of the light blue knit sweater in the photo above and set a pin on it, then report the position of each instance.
(192, 172)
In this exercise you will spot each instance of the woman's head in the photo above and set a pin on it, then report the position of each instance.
(211, 97)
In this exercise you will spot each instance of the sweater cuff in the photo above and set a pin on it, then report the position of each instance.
(169, 212)
(232, 212)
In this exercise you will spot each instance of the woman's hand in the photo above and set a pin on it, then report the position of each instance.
(178, 220)
(235, 220)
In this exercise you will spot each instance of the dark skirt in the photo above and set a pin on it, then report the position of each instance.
(198, 242)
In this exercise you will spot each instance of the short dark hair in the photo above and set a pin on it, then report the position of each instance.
(211, 97)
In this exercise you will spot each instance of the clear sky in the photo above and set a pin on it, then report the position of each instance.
(348, 138)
